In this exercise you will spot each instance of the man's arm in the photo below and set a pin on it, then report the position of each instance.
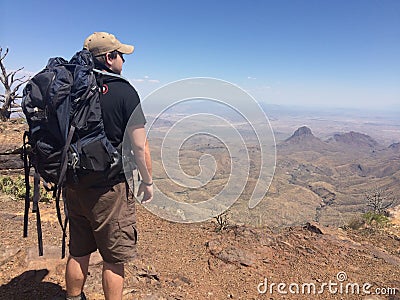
(147, 158)
(141, 151)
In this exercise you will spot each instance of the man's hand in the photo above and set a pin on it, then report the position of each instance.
(141, 150)
(147, 191)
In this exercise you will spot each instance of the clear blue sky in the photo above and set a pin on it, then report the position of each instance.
(325, 53)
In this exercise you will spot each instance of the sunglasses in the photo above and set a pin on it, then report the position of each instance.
(114, 55)
(122, 56)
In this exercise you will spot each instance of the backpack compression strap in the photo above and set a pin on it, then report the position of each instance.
(36, 196)
(27, 186)
(64, 165)
(35, 208)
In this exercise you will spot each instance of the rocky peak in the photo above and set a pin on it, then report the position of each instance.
(303, 139)
(301, 133)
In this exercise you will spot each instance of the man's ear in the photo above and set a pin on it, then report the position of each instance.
(108, 59)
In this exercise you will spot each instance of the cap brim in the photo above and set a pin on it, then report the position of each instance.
(126, 49)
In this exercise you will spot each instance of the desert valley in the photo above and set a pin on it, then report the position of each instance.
(300, 232)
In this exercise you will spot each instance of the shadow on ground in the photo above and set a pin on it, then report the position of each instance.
(30, 285)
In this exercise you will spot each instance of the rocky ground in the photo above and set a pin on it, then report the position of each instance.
(196, 261)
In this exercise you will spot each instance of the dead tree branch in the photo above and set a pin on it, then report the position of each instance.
(379, 200)
(11, 85)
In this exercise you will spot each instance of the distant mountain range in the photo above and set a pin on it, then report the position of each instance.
(336, 173)
(303, 138)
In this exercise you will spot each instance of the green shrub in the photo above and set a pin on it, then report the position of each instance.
(376, 219)
(15, 187)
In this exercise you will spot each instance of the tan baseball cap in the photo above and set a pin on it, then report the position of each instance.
(103, 42)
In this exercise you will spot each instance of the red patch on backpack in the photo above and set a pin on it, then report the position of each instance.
(105, 89)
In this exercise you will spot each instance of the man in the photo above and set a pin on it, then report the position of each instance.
(102, 216)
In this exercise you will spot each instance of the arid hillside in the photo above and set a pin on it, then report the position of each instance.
(293, 248)
(314, 180)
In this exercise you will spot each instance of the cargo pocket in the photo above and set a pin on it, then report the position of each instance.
(128, 234)
(127, 218)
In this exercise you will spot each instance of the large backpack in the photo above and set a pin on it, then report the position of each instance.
(66, 135)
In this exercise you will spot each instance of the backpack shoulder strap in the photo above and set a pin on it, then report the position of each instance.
(113, 75)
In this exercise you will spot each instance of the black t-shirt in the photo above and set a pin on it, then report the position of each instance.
(118, 102)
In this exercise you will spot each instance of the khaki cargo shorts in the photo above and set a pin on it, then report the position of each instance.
(102, 218)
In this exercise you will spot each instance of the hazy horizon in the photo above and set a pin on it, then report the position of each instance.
(307, 53)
